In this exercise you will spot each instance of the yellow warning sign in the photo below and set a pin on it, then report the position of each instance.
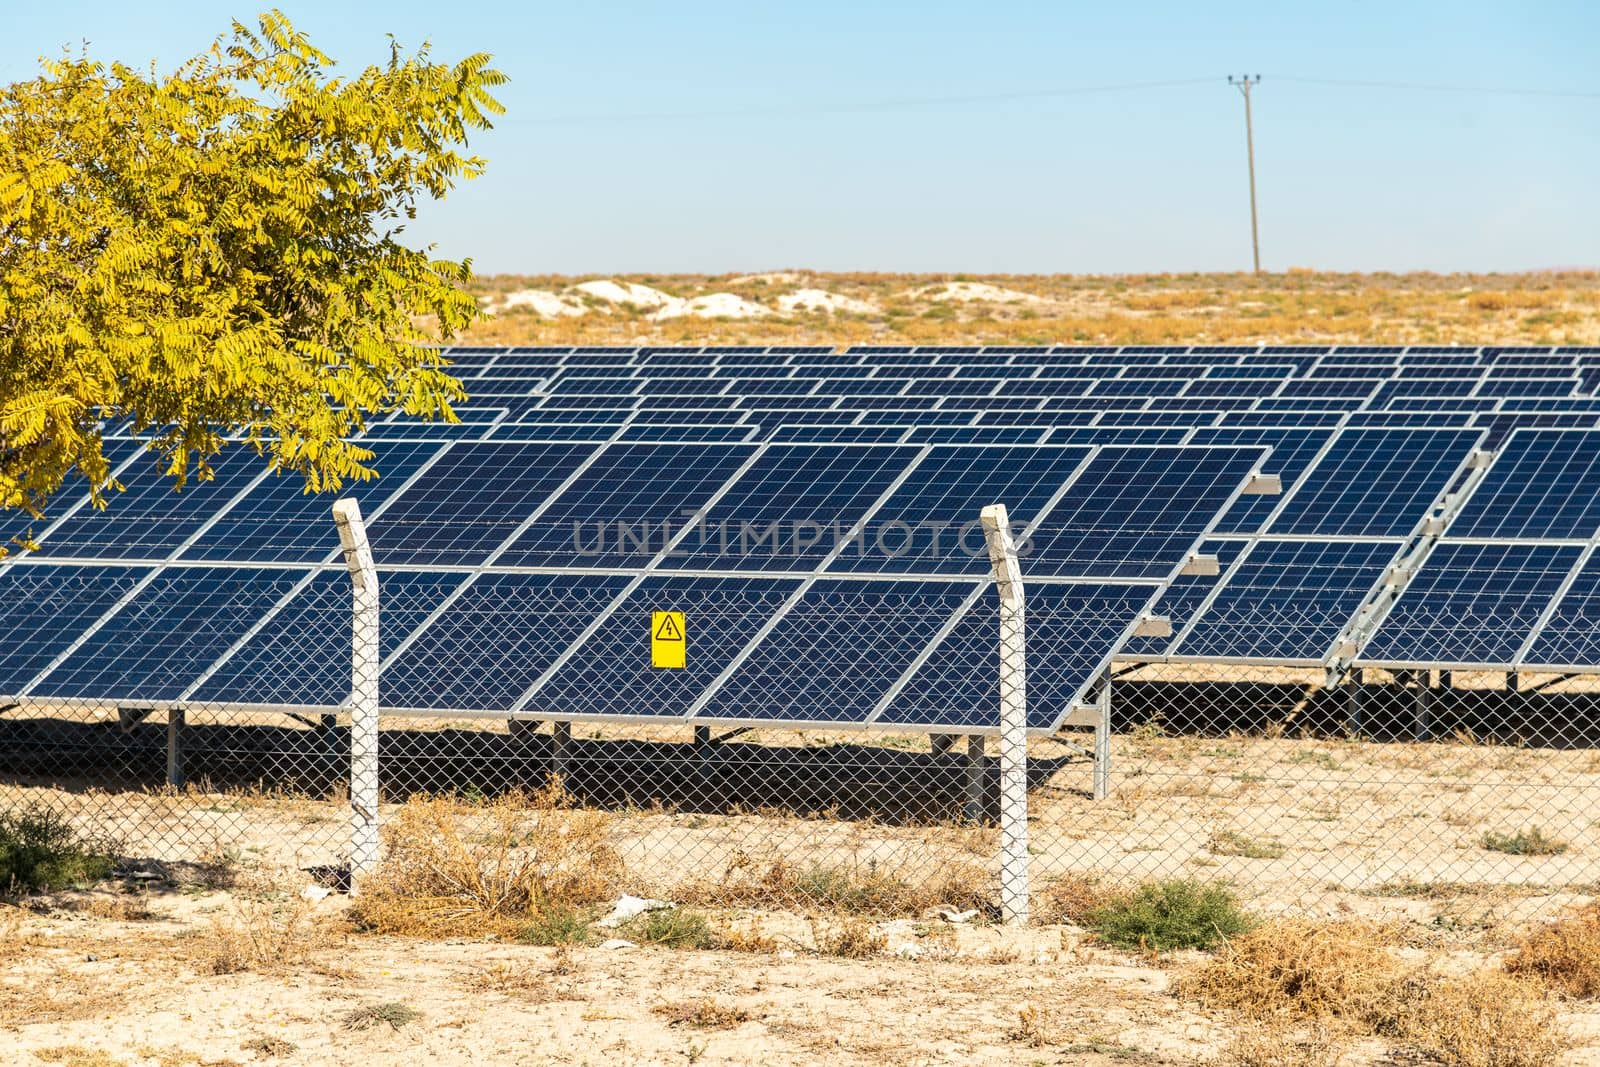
(668, 645)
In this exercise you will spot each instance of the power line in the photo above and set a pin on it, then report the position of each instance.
(853, 107)
(923, 102)
(1481, 90)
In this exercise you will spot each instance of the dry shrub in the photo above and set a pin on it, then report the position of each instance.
(1034, 1027)
(1072, 898)
(702, 1014)
(453, 868)
(851, 939)
(1281, 1046)
(511, 979)
(1563, 955)
(852, 888)
(1298, 969)
(746, 936)
(1485, 1019)
(261, 933)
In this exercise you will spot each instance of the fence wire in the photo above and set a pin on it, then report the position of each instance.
(217, 724)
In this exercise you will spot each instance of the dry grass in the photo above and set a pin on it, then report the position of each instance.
(704, 1014)
(509, 979)
(1299, 306)
(264, 933)
(1284, 1046)
(1300, 969)
(1034, 1027)
(454, 868)
(1072, 898)
(852, 888)
(77, 1056)
(849, 938)
(1485, 1019)
(1564, 955)
(1296, 980)
(393, 1014)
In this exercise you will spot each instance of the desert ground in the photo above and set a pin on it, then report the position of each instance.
(805, 307)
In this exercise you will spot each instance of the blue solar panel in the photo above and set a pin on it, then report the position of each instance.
(873, 633)
(1293, 452)
(1287, 601)
(301, 655)
(471, 501)
(1471, 604)
(784, 512)
(625, 506)
(610, 673)
(1071, 631)
(151, 519)
(929, 525)
(1134, 513)
(1570, 637)
(1184, 596)
(1543, 484)
(1375, 483)
(155, 645)
(51, 606)
(495, 640)
(277, 521)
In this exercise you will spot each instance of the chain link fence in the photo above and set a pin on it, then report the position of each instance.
(1296, 785)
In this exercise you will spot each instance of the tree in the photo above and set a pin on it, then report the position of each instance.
(216, 251)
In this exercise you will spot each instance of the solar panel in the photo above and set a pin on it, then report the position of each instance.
(623, 507)
(158, 642)
(610, 673)
(1470, 605)
(1071, 630)
(1134, 513)
(872, 633)
(1543, 484)
(493, 640)
(1286, 601)
(471, 500)
(1375, 483)
(1570, 636)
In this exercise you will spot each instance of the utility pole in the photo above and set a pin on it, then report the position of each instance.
(1244, 82)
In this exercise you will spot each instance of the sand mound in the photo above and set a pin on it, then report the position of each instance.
(549, 304)
(775, 277)
(975, 292)
(625, 293)
(712, 306)
(822, 300)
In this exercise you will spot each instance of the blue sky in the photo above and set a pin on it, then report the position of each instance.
(813, 170)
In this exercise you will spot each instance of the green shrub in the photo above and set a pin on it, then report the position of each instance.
(39, 850)
(1166, 915)
(558, 926)
(1524, 843)
(671, 927)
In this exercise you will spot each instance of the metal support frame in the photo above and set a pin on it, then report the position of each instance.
(941, 744)
(1354, 713)
(1013, 717)
(365, 658)
(560, 750)
(1102, 743)
(175, 718)
(1422, 723)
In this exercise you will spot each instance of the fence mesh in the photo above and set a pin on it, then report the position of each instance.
(1293, 785)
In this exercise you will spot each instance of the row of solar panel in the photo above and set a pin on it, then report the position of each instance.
(550, 645)
(1095, 512)
(1510, 583)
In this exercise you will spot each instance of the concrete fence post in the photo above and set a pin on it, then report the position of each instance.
(364, 660)
(1013, 716)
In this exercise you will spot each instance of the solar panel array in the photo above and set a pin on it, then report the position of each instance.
(1415, 482)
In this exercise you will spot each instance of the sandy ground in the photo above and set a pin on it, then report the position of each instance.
(81, 984)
